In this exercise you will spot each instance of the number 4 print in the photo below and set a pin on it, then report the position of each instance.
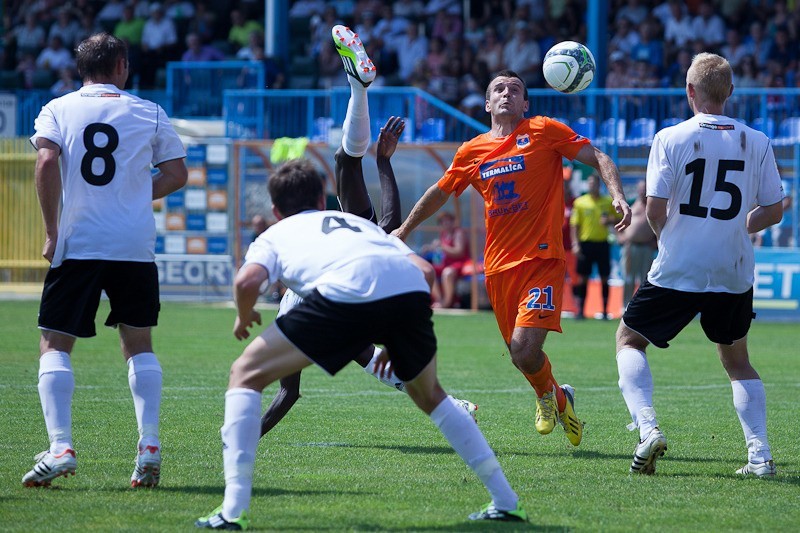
(535, 293)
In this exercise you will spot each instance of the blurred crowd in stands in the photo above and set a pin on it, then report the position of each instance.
(433, 45)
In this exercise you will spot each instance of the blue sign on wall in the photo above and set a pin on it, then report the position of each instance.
(776, 291)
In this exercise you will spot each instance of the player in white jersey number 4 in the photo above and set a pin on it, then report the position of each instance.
(102, 240)
(354, 198)
(703, 177)
(360, 286)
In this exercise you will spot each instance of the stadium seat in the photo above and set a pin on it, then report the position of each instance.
(585, 127)
(671, 121)
(788, 132)
(10, 79)
(641, 133)
(43, 79)
(432, 130)
(612, 131)
(767, 126)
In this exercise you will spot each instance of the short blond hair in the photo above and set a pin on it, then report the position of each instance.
(712, 76)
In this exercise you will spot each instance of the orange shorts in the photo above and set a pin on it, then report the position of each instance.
(528, 295)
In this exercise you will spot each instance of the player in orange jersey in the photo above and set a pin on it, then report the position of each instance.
(517, 168)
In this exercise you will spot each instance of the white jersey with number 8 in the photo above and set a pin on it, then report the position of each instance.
(109, 139)
(713, 170)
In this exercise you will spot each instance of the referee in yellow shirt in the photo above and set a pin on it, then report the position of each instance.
(592, 214)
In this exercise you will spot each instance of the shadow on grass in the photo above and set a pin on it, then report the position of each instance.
(463, 526)
(398, 447)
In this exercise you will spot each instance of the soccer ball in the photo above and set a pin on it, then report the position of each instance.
(568, 67)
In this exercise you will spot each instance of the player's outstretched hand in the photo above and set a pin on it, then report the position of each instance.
(622, 207)
(390, 134)
(241, 327)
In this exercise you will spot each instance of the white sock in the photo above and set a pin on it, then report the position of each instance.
(355, 130)
(469, 443)
(392, 381)
(56, 385)
(636, 385)
(750, 402)
(144, 379)
(239, 442)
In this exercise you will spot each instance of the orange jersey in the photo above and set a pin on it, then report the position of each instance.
(521, 180)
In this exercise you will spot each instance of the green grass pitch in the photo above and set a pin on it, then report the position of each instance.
(354, 455)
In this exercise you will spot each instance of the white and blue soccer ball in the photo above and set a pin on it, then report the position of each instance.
(568, 67)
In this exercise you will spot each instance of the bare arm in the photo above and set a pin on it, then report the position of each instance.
(573, 233)
(171, 176)
(427, 268)
(656, 212)
(48, 189)
(433, 199)
(609, 173)
(763, 217)
(246, 286)
(390, 196)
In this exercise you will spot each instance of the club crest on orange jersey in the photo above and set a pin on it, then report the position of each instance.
(523, 140)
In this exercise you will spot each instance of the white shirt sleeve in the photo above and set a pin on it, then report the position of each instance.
(167, 144)
(660, 174)
(770, 190)
(262, 252)
(46, 128)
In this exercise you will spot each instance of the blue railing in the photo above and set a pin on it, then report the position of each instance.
(195, 88)
(260, 114)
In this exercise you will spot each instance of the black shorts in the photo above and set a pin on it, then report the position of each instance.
(594, 253)
(332, 333)
(659, 314)
(72, 294)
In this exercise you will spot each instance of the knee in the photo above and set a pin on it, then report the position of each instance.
(245, 375)
(527, 358)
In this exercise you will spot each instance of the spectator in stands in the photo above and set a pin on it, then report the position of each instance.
(448, 255)
(27, 68)
(66, 28)
(734, 50)
(633, 10)
(254, 44)
(130, 28)
(241, 28)
(746, 75)
(67, 82)
(366, 28)
(625, 37)
(676, 73)
(391, 28)
(523, 55)
(638, 245)
(197, 51)
(492, 50)
(203, 23)
(649, 49)
(474, 34)
(782, 56)
(159, 38)
(447, 26)
(437, 56)
(330, 69)
(321, 29)
(30, 37)
(708, 26)
(385, 60)
(413, 10)
(411, 50)
(55, 57)
(178, 9)
(303, 9)
(678, 27)
(110, 13)
(758, 43)
(618, 76)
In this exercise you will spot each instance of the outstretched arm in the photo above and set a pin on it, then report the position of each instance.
(390, 196)
(433, 199)
(609, 173)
